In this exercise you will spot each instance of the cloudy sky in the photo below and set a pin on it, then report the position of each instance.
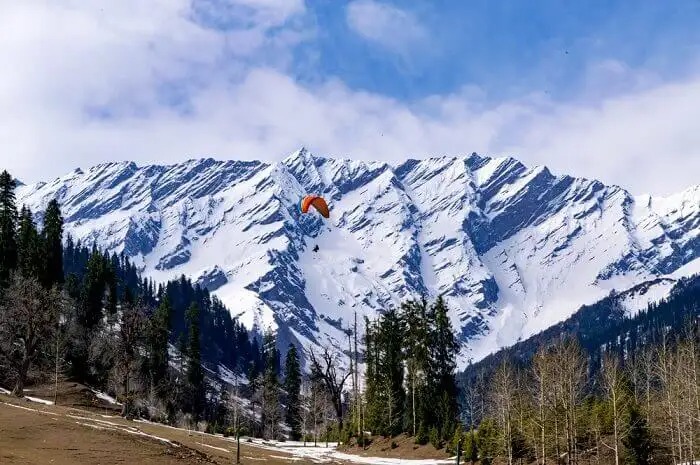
(601, 88)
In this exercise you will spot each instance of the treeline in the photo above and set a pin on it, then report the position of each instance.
(600, 386)
(637, 409)
(82, 313)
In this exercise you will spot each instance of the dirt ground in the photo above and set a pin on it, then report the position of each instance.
(83, 429)
(32, 433)
(405, 447)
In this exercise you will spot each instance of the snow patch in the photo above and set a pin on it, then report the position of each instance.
(107, 398)
(39, 401)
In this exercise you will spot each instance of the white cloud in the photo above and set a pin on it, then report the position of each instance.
(395, 29)
(69, 63)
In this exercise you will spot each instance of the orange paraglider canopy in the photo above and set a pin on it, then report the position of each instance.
(317, 202)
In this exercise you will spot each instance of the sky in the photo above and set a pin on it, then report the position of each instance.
(601, 89)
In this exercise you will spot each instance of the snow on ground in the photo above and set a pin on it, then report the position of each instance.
(106, 397)
(231, 378)
(4, 391)
(39, 401)
(329, 454)
(641, 296)
(689, 269)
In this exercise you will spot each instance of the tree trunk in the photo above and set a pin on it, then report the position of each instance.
(615, 426)
(22, 371)
(413, 401)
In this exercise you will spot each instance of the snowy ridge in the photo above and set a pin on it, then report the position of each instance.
(514, 249)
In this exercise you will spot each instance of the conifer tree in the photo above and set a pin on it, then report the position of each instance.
(471, 449)
(270, 396)
(444, 349)
(94, 295)
(195, 373)
(637, 441)
(29, 258)
(8, 227)
(391, 365)
(416, 343)
(292, 384)
(158, 334)
(52, 238)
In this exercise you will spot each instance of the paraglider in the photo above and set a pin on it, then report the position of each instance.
(317, 202)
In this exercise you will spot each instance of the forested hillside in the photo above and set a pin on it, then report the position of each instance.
(601, 385)
(606, 327)
(72, 310)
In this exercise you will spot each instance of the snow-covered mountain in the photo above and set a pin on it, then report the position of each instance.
(514, 249)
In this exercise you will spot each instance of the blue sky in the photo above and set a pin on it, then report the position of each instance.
(604, 89)
(505, 48)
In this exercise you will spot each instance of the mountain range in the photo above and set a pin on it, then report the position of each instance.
(514, 249)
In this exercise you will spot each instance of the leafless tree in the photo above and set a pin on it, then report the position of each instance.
(542, 374)
(618, 395)
(325, 369)
(503, 399)
(28, 320)
(129, 340)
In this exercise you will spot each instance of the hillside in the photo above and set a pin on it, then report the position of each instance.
(607, 326)
(515, 249)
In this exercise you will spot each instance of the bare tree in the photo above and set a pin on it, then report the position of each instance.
(618, 395)
(325, 369)
(128, 344)
(236, 412)
(666, 373)
(28, 320)
(571, 370)
(542, 372)
(503, 398)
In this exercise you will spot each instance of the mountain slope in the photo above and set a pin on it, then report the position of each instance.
(606, 326)
(514, 249)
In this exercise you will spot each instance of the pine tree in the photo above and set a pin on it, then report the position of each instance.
(29, 258)
(94, 295)
(159, 327)
(195, 373)
(270, 396)
(471, 449)
(416, 343)
(444, 349)
(456, 442)
(637, 442)
(8, 227)
(390, 339)
(292, 384)
(487, 439)
(52, 238)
